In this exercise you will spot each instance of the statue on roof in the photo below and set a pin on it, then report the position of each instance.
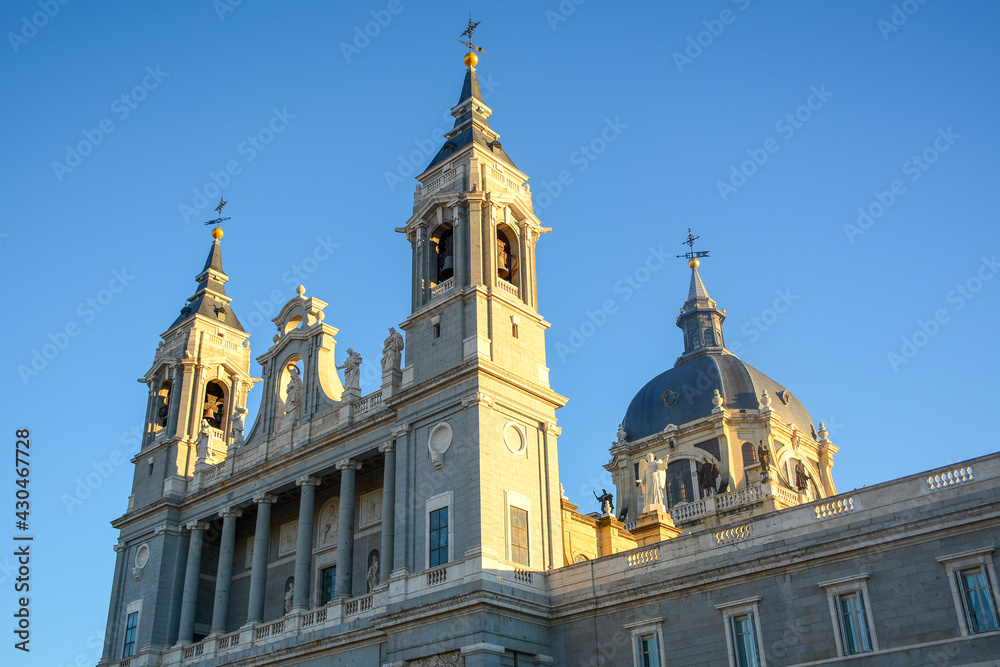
(352, 370)
(652, 480)
(392, 351)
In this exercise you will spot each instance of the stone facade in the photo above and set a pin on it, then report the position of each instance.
(422, 524)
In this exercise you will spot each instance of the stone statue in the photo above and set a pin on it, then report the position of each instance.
(392, 351)
(293, 394)
(764, 458)
(801, 477)
(621, 433)
(352, 370)
(237, 428)
(765, 400)
(606, 501)
(652, 479)
(289, 594)
(201, 449)
(373, 566)
(708, 476)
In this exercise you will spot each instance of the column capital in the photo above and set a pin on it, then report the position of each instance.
(348, 464)
(400, 429)
(387, 446)
(196, 525)
(265, 498)
(230, 512)
(308, 480)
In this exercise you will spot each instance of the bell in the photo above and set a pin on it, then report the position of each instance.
(503, 272)
(447, 268)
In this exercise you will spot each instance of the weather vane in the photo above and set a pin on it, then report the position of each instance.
(217, 232)
(468, 33)
(693, 255)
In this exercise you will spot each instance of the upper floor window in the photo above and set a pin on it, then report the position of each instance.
(445, 267)
(974, 589)
(647, 642)
(851, 614)
(439, 537)
(131, 624)
(519, 535)
(709, 338)
(215, 400)
(328, 584)
(743, 632)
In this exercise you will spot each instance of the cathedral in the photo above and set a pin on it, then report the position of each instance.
(424, 523)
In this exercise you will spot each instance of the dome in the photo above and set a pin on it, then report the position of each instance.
(692, 385)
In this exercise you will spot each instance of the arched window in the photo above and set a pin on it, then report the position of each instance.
(215, 404)
(506, 257)
(680, 483)
(444, 246)
(162, 404)
(709, 338)
(749, 454)
(695, 337)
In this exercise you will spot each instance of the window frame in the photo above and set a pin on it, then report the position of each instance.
(133, 609)
(516, 500)
(856, 584)
(651, 627)
(966, 560)
(736, 609)
(333, 592)
(440, 501)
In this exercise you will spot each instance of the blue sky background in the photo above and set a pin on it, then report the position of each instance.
(554, 80)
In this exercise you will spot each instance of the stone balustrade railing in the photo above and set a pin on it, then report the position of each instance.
(442, 287)
(744, 496)
(372, 401)
(507, 287)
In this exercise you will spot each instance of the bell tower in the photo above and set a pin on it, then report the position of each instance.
(473, 234)
(198, 385)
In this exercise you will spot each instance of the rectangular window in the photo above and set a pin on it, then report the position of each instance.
(745, 641)
(977, 597)
(131, 623)
(439, 536)
(519, 535)
(853, 623)
(648, 650)
(328, 584)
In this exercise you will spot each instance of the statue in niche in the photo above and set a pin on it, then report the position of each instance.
(801, 477)
(201, 449)
(606, 501)
(373, 567)
(293, 394)
(652, 480)
(237, 428)
(352, 370)
(708, 477)
(328, 525)
(392, 351)
(764, 458)
(289, 594)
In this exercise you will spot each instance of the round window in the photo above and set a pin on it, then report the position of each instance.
(142, 556)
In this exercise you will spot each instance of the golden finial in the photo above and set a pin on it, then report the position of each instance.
(217, 232)
(471, 59)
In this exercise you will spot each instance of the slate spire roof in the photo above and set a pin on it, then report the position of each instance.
(210, 298)
(472, 125)
(697, 289)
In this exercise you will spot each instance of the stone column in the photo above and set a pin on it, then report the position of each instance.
(345, 529)
(261, 548)
(192, 576)
(224, 575)
(304, 544)
(388, 508)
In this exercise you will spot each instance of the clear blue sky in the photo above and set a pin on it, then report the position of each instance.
(198, 81)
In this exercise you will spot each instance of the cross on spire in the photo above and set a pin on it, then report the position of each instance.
(468, 33)
(692, 254)
(217, 232)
